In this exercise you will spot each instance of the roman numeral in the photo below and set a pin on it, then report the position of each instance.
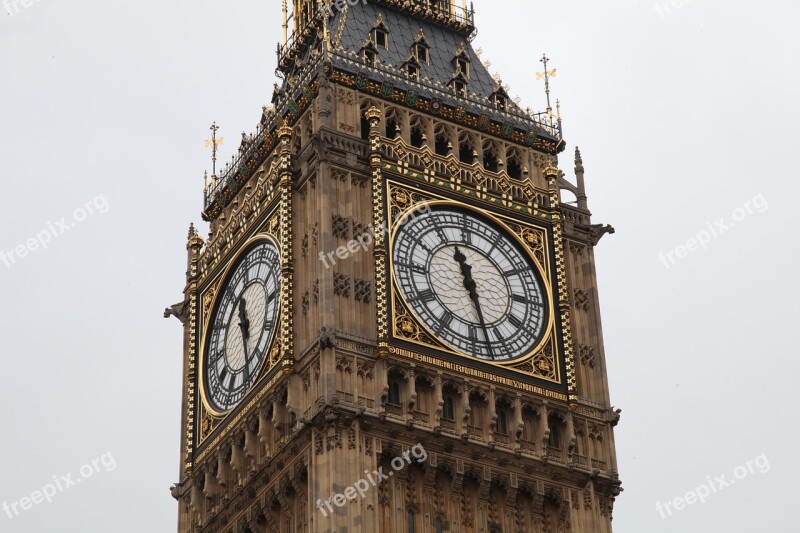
(519, 298)
(414, 268)
(516, 322)
(445, 321)
(515, 272)
(427, 296)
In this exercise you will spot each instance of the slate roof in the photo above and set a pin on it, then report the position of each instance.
(350, 30)
(445, 44)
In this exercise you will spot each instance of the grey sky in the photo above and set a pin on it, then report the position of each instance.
(683, 114)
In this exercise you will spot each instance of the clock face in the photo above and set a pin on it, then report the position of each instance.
(470, 284)
(242, 326)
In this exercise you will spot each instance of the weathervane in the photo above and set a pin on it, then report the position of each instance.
(546, 75)
(213, 144)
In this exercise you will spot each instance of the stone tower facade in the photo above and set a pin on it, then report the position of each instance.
(393, 325)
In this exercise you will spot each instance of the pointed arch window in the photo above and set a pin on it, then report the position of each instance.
(502, 423)
(500, 99)
(439, 525)
(554, 439)
(380, 34)
(421, 49)
(459, 85)
(412, 67)
(370, 53)
(448, 411)
(462, 62)
(394, 393)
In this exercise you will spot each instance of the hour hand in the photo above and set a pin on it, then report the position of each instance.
(466, 271)
(244, 323)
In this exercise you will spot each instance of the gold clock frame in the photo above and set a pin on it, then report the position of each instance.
(543, 362)
(213, 291)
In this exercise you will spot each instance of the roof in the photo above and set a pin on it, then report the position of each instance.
(352, 27)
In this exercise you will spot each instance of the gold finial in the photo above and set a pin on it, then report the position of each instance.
(551, 171)
(205, 182)
(213, 144)
(558, 110)
(373, 114)
(285, 131)
(546, 75)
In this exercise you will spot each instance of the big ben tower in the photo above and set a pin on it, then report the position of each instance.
(393, 324)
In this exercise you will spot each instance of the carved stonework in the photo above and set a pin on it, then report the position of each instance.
(363, 291)
(341, 227)
(587, 355)
(581, 299)
(362, 380)
(366, 368)
(344, 364)
(341, 285)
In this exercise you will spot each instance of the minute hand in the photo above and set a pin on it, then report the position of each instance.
(244, 324)
(472, 288)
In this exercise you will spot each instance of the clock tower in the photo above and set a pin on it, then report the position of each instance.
(393, 324)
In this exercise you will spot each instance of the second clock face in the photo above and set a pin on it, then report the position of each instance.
(242, 326)
(470, 284)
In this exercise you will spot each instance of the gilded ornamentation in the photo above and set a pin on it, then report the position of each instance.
(545, 363)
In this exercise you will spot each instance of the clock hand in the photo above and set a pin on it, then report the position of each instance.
(244, 323)
(472, 287)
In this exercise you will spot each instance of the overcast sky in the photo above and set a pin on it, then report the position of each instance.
(687, 118)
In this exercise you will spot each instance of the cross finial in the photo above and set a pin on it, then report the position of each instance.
(213, 144)
(546, 75)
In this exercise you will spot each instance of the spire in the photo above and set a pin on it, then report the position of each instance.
(285, 23)
(213, 143)
(579, 170)
(578, 161)
(546, 75)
